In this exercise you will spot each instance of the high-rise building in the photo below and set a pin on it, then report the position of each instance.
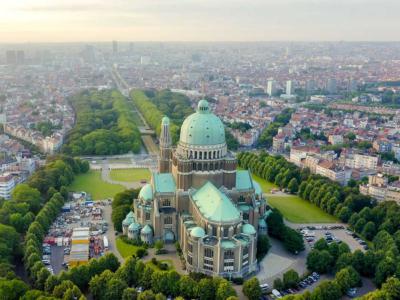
(11, 57)
(271, 88)
(331, 86)
(353, 86)
(115, 47)
(289, 88)
(310, 86)
(20, 57)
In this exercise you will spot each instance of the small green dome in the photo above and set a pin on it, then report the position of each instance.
(134, 227)
(165, 121)
(202, 127)
(248, 229)
(147, 229)
(146, 192)
(197, 232)
(126, 222)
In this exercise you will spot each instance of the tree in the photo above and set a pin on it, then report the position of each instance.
(187, 287)
(369, 230)
(327, 290)
(278, 284)
(293, 240)
(24, 193)
(263, 246)
(319, 261)
(251, 289)
(147, 295)
(347, 278)
(224, 290)
(293, 186)
(290, 279)
(12, 289)
(129, 294)
(115, 288)
(205, 289)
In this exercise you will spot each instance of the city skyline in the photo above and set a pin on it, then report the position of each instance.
(176, 20)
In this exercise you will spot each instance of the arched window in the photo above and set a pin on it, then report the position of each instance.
(209, 155)
(211, 166)
(195, 154)
(213, 154)
(229, 254)
(168, 220)
(200, 167)
(200, 155)
(226, 231)
(208, 252)
(194, 166)
(191, 154)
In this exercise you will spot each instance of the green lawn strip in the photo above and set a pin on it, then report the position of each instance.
(130, 175)
(297, 210)
(92, 183)
(125, 249)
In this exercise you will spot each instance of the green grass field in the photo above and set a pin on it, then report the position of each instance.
(266, 186)
(128, 175)
(92, 183)
(293, 208)
(125, 249)
(297, 210)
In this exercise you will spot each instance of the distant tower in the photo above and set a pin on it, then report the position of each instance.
(164, 162)
(271, 87)
(115, 47)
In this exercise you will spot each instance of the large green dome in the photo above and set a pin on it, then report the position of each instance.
(202, 127)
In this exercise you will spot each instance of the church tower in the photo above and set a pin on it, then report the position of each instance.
(164, 162)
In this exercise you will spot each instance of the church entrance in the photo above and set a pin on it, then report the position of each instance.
(169, 236)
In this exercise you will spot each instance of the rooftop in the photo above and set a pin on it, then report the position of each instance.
(215, 205)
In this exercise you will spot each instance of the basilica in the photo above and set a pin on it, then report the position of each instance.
(200, 199)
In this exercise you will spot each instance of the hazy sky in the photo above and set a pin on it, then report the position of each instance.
(198, 20)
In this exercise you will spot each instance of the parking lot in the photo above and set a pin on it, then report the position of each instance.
(332, 233)
(78, 213)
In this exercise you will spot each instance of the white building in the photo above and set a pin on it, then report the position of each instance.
(7, 185)
(271, 88)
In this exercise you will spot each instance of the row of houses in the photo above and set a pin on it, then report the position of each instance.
(48, 144)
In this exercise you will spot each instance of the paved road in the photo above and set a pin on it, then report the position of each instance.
(111, 233)
(105, 176)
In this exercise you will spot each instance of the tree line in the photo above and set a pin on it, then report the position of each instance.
(154, 105)
(105, 125)
(30, 210)
(153, 112)
(375, 222)
(265, 139)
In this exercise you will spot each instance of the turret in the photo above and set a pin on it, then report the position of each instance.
(164, 162)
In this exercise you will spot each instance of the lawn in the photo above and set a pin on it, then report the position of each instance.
(130, 175)
(92, 183)
(266, 186)
(125, 249)
(297, 210)
(293, 208)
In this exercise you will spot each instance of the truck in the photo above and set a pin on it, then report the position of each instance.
(105, 243)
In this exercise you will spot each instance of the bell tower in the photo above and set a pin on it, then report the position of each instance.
(164, 162)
